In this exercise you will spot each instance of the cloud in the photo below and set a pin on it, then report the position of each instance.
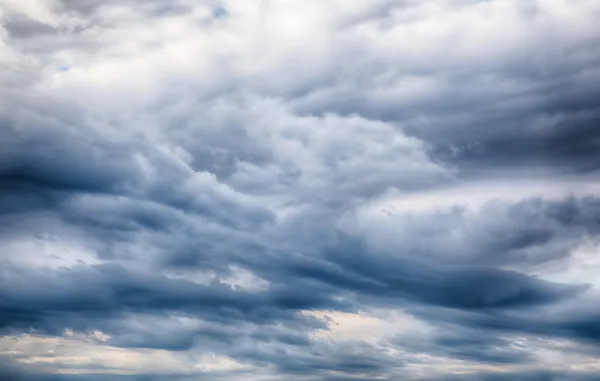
(52, 299)
(529, 233)
(533, 376)
(180, 180)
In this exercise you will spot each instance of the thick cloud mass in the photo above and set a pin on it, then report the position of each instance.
(311, 190)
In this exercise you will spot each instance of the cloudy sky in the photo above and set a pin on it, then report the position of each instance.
(311, 190)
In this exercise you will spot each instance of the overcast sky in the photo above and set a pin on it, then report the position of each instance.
(311, 190)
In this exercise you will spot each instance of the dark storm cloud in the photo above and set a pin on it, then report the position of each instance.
(16, 196)
(555, 125)
(51, 300)
(398, 277)
(481, 334)
(46, 153)
(569, 144)
(457, 287)
(145, 311)
(57, 300)
(42, 145)
(348, 268)
(146, 154)
(12, 372)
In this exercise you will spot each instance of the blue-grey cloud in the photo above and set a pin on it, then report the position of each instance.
(225, 178)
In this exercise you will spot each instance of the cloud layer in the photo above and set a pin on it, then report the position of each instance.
(316, 190)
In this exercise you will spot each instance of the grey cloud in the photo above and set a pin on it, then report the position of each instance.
(467, 344)
(575, 322)
(527, 376)
(20, 27)
(466, 287)
(15, 372)
(56, 298)
(168, 332)
(526, 233)
(206, 139)
(51, 153)
(150, 8)
(527, 102)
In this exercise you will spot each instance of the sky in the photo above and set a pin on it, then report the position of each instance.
(310, 190)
